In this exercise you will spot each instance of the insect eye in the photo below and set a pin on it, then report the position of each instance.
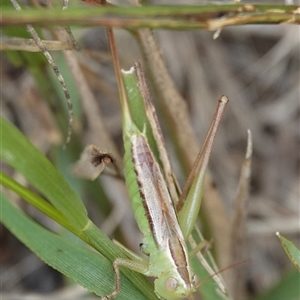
(171, 284)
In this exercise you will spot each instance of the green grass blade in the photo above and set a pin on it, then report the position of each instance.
(291, 250)
(162, 16)
(20, 154)
(67, 209)
(104, 245)
(36, 201)
(88, 268)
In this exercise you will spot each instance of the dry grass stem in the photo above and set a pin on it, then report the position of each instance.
(20, 44)
(238, 227)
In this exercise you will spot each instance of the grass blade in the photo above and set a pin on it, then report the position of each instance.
(90, 269)
(20, 154)
(68, 210)
(291, 250)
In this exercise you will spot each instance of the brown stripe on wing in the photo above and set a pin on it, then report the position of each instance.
(144, 156)
(180, 258)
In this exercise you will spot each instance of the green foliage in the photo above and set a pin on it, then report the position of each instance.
(291, 250)
(58, 200)
(26, 159)
(68, 257)
(66, 208)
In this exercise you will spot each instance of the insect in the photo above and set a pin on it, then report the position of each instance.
(164, 236)
(163, 239)
(164, 229)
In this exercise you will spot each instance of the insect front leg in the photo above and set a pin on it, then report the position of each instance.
(140, 266)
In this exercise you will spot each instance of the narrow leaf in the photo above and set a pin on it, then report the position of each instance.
(238, 230)
(291, 250)
(20, 154)
(35, 200)
(88, 268)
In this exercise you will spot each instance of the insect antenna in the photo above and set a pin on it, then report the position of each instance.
(221, 271)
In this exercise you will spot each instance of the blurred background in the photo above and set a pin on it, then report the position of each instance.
(257, 67)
